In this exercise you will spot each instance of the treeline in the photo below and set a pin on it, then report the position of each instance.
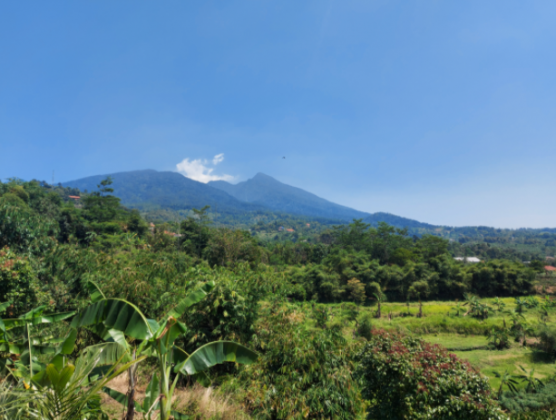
(351, 262)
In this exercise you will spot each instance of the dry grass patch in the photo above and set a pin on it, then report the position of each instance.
(198, 402)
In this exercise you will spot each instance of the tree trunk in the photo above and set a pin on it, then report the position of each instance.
(378, 311)
(131, 391)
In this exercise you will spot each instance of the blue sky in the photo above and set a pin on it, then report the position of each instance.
(439, 111)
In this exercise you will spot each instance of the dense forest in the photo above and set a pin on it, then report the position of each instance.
(185, 295)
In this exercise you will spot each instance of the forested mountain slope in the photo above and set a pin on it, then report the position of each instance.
(170, 190)
(150, 190)
(267, 191)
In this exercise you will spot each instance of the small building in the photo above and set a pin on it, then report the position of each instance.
(75, 197)
(473, 260)
(290, 230)
(281, 228)
(549, 270)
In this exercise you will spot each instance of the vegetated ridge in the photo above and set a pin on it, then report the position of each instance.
(267, 191)
(150, 189)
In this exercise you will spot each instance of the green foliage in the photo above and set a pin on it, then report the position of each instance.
(404, 377)
(300, 374)
(499, 337)
(69, 392)
(365, 327)
(114, 318)
(547, 336)
(18, 283)
(524, 402)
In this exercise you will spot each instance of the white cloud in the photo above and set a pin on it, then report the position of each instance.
(217, 159)
(199, 169)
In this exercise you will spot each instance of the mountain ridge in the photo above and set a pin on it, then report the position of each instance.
(265, 190)
(148, 189)
(165, 189)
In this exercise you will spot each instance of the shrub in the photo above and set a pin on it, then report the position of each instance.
(547, 336)
(18, 283)
(522, 401)
(364, 328)
(405, 377)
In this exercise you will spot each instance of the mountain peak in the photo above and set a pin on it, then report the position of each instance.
(260, 176)
(267, 191)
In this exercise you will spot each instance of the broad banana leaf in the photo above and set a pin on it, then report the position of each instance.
(192, 299)
(36, 319)
(213, 354)
(95, 292)
(111, 353)
(151, 395)
(109, 335)
(115, 314)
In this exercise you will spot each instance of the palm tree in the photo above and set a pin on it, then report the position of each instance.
(505, 379)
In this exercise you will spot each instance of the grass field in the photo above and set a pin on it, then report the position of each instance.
(465, 336)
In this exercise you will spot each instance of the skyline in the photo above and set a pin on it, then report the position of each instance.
(443, 113)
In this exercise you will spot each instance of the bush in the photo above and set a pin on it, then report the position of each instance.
(547, 336)
(364, 329)
(521, 402)
(405, 377)
(18, 283)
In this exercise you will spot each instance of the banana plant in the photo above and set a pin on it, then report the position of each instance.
(505, 379)
(532, 302)
(499, 303)
(118, 319)
(521, 305)
(23, 342)
(544, 307)
(533, 384)
(458, 307)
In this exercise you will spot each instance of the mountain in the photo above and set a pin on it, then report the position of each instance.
(148, 188)
(268, 192)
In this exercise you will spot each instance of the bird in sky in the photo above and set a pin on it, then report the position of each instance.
(283, 157)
